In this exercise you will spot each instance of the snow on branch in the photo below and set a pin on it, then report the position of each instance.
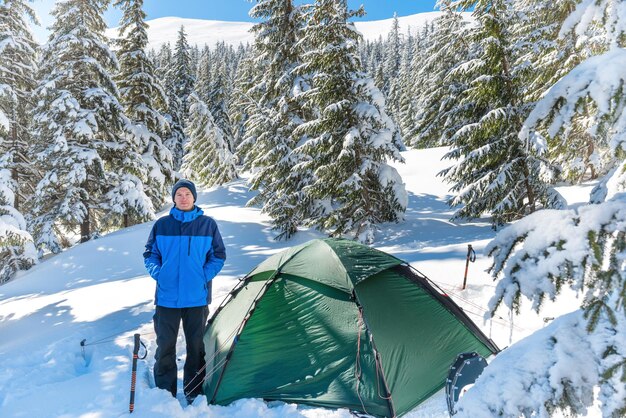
(611, 14)
(562, 366)
(531, 377)
(4, 122)
(552, 248)
(600, 79)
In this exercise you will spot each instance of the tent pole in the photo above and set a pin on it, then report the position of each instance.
(269, 282)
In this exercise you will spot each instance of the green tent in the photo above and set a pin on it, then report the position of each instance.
(336, 324)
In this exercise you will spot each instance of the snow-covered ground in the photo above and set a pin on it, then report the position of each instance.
(202, 31)
(100, 292)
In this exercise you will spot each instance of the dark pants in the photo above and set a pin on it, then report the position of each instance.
(166, 324)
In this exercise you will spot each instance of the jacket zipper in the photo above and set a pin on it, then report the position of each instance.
(189, 247)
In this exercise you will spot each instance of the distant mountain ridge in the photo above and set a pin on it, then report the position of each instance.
(210, 32)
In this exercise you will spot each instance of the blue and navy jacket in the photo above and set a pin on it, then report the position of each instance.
(183, 254)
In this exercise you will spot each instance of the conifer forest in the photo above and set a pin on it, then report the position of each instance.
(526, 96)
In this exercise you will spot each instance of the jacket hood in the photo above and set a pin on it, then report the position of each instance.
(183, 216)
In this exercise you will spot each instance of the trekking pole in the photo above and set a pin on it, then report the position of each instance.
(133, 379)
(471, 256)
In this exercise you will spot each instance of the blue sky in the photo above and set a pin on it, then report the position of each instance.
(230, 10)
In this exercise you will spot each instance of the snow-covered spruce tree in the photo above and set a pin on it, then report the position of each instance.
(496, 172)
(391, 67)
(535, 258)
(208, 159)
(179, 85)
(174, 141)
(274, 114)
(194, 57)
(182, 69)
(439, 115)
(583, 248)
(217, 101)
(202, 86)
(410, 98)
(371, 55)
(143, 98)
(593, 90)
(17, 251)
(393, 50)
(18, 69)
(545, 57)
(163, 61)
(351, 138)
(406, 91)
(227, 62)
(379, 76)
(243, 98)
(579, 148)
(87, 149)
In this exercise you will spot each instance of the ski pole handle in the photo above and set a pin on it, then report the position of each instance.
(471, 256)
(133, 379)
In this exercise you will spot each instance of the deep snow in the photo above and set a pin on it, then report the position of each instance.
(100, 292)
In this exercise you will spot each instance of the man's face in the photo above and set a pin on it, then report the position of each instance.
(183, 199)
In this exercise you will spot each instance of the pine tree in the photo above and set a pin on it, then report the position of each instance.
(17, 80)
(379, 77)
(393, 49)
(208, 159)
(194, 58)
(563, 105)
(217, 101)
(352, 137)
(496, 173)
(17, 70)
(406, 106)
(182, 69)
(583, 247)
(17, 251)
(87, 146)
(534, 259)
(439, 116)
(202, 86)
(174, 141)
(548, 57)
(144, 98)
(179, 85)
(242, 99)
(391, 66)
(275, 112)
(17, 174)
(163, 61)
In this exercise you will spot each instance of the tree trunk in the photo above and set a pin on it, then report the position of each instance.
(529, 190)
(126, 220)
(16, 202)
(85, 229)
(14, 172)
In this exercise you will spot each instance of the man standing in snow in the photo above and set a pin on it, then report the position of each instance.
(183, 254)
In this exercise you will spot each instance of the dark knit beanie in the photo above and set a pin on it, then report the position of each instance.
(185, 183)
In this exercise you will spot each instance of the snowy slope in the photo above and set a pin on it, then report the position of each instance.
(200, 32)
(100, 292)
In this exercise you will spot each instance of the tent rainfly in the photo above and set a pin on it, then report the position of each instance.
(336, 324)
